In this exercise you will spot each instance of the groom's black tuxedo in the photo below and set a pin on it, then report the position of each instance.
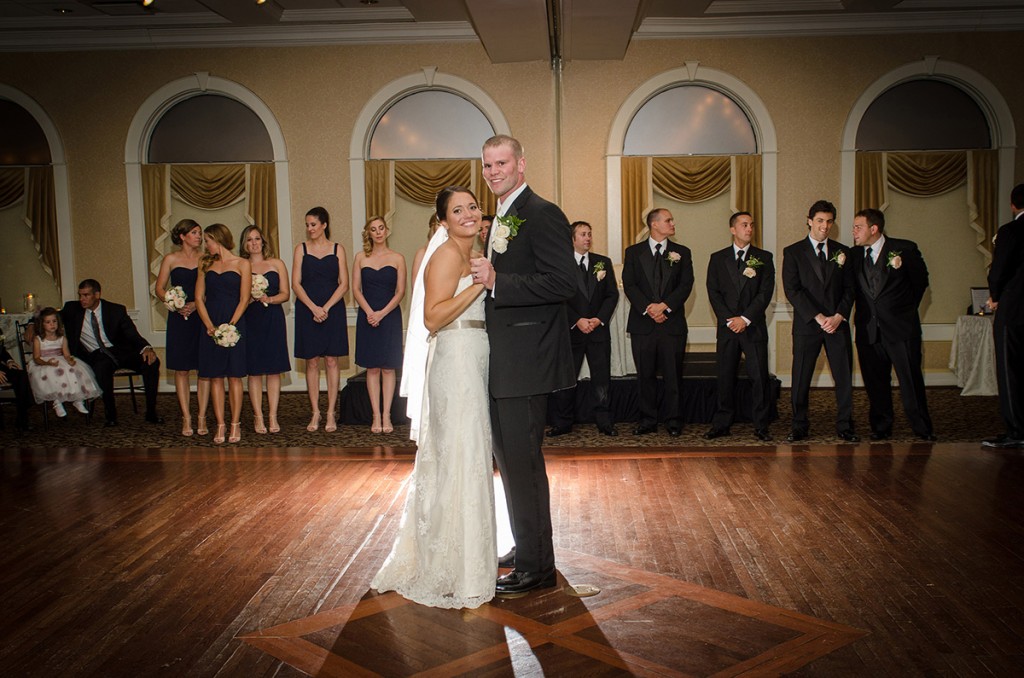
(813, 288)
(594, 298)
(528, 329)
(125, 351)
(734, 294)
(889, 331)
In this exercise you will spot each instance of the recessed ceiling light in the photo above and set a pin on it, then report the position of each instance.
(63, 10)
(369, 2)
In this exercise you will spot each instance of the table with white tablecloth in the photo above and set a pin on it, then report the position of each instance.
(972, 356)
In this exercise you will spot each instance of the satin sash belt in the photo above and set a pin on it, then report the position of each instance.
(465, 325)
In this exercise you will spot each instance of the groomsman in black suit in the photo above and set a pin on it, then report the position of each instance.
(819, 285)
(1006, 287)
(891, 278)
(741, 282)
(590, 311)
(657, 277)
(12, 373)
(117, 345)
(529, 278)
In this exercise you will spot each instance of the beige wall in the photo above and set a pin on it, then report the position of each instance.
(807, 84)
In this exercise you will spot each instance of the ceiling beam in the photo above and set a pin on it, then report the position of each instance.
(597, 29)
(511, 30)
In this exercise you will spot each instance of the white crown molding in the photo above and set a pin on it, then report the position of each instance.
(835, 24)
(774, 6)
(248, 36)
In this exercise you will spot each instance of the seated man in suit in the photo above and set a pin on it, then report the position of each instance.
(890, 277)
(657, 277)
(819, 285)
(590, 311)
(741, 282)
(12, 373)
(101, 333)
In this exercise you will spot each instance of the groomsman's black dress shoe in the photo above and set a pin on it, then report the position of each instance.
(796, 436)
(110, 422)
(556, 431)
(849, 436)
(716, 433)
(607, 429)
(644, 429)
(154, 418)
(763, 435)
(509, 559)
(1002, 441)
(927, 437)
(520, 582)
(881, 435)
(675, 431)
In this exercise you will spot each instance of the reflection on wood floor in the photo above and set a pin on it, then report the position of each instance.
(808, 560)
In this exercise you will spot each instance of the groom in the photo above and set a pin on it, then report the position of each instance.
(529, 276)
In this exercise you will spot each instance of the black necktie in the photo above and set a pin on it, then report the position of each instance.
(583, 265)
(821, 256)
(657, 268)
(867, 256)
(739, 261)
(96, 330)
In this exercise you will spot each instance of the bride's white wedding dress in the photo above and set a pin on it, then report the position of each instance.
(444, 554)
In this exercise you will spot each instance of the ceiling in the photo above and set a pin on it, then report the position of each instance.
(510, 30)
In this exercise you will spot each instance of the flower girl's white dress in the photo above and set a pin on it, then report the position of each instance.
(63, 382)
(445, 554)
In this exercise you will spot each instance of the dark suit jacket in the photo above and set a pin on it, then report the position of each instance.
(732, 293)
(810, 291)
(594, 299)
(1006, 277)
(892, 311)
(527, 324)
(117, 324)
(638, 284)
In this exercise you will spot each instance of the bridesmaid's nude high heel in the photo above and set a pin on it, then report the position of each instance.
(258, 424)
(201, 427)
(387, 428)
(330, 426)
(186, 425)
(274, 426)
(219, 438)
(376, 427)
(236, 432)
(314, 423)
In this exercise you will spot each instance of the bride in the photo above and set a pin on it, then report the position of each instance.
(444, 554)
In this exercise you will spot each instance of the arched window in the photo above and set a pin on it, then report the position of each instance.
(690, 120)
(31, 261)
(430, 124)
(209, 157)
(923, 115)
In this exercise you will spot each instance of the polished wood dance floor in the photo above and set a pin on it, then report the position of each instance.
(867, 560)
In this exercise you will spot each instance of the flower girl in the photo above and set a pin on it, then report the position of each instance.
(54, 375)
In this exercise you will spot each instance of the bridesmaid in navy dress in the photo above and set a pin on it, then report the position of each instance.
(222, 295)
(378, 285)
(184, 328)
(320, 280)
(265, 319)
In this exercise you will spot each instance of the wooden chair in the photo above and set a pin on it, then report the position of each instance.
(25, 337)
(130, 375)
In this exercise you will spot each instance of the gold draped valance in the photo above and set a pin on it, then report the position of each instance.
(420, 181)
(689, 179)
(36, 186)
(934, 173)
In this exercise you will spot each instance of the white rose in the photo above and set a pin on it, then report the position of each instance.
(503, 232)
(896, 262)
(599, 275)
(841, 258)
(749, 272)
(500, 245)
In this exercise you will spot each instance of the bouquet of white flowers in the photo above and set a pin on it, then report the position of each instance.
(174, 300)
(259, 287)
(226, 335)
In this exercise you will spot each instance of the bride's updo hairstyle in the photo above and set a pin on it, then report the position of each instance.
(444, 196)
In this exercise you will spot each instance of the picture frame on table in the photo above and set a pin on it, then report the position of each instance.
(979, 301)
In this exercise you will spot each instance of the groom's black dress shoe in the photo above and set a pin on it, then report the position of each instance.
(1002, 441)
(675, 431)
(607, 429)
(644, 429)
(520, 582)
(716, 433)
(556, 431)
(849, 436)
(509, 559)
(881, 435)
(763, 435)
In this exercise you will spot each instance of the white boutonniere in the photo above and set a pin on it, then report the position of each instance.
(839, 258)
(506, 229)
(895, 260)
(753, 263)
(672, 258)
(599, 271)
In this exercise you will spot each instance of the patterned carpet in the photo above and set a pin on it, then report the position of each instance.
(957, 418)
